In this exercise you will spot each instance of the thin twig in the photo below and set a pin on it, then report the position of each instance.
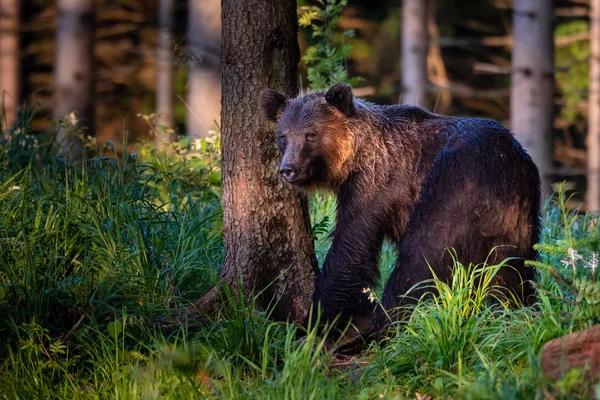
(75, 327)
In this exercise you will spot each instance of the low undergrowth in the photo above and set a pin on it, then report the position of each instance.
(91, 253)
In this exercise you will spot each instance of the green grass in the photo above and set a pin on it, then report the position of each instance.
(91, 254)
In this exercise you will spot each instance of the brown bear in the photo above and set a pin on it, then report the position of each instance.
(426, 181)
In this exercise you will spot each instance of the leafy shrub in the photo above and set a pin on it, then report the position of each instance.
(326, 62)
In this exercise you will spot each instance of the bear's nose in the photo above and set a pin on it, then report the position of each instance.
(288, 172)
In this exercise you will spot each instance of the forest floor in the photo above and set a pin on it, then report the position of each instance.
(92, 254)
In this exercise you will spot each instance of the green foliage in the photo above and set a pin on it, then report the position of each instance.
(568, 266)
(322, 216)
(92, 253)
(572, 69)
(463, 342)
(25, 148)
(245, 335)
(305, 371)
(106, 233)
(326, 59)
(444, 332)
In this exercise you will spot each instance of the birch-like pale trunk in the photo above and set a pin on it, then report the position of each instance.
(164, 72)
(204, 80)
(532, 85)
(9, 62)
(73, 74)
(414, 52)
(593, 137)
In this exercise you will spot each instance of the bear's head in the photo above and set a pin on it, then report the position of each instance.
(313, 134)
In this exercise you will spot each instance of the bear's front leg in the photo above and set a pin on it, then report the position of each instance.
(349, 275)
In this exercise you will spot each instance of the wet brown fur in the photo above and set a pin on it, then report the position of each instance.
(426, 181)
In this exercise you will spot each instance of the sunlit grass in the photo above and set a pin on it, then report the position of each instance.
(92, 253)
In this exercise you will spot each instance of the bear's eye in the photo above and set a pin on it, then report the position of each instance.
(311, 136)
(283, 139)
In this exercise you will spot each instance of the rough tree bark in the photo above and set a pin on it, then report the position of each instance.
(9, 62)
(593, 137)
(415, 40)
(164, 69)
(266, 229)
(204, 80)
(532, 86)
(73, 74)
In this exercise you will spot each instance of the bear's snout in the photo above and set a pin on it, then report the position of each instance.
(288, 172)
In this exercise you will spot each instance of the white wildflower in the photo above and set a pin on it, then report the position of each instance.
(574, 256)
(72, 117)
(371, 294)
(592, 263)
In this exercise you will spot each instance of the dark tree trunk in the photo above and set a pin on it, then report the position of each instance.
(267, 235)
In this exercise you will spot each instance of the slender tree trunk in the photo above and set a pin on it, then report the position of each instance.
(73, 75)
(164, 70)
(532, 86)
(593, 138)
(267, 235)
(204, 81)
(9, 62)
(414, 52)
(436, 69)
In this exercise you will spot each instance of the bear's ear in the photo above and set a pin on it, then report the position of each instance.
(340, 96)
(272, 104)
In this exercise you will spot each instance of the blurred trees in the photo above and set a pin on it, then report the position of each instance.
(532, 85)
(593, 137)
(73, 73)
(436, 67)
(10, 57)
(164, 70)
(415, 42)
(468, 64)
(204, 79)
